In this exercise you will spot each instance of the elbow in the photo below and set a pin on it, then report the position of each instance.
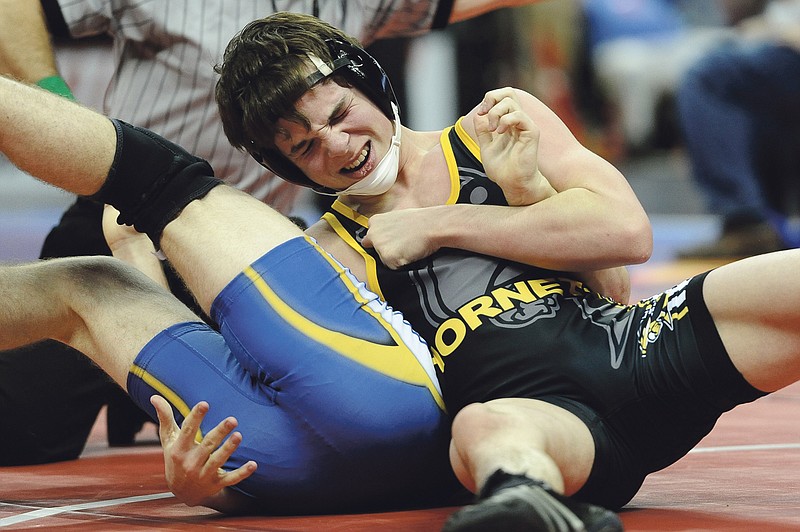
(638, 238)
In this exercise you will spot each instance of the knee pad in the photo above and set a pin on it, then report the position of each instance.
(152, 179)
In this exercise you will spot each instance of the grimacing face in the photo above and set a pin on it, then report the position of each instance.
(347, 137)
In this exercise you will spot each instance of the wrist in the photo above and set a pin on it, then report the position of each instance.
(533, 191)
(57, 85)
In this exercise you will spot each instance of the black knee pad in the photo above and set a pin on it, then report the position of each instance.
(152, 180)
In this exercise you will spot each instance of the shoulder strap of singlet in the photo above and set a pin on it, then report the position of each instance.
(466, 145)
(446, 142)
(347, 224)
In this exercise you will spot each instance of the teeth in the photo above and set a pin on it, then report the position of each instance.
(361, 158)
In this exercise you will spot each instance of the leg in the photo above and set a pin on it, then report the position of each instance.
(521, 436)
(726, 104)
(754, 304)
(521, 455)
(322, 379)
(73, 409)
(96, 305)
(52, 420)
(214, 239)
(208, 241)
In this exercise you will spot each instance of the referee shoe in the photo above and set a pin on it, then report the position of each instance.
(512, 503)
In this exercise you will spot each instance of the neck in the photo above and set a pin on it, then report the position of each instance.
(420, 180)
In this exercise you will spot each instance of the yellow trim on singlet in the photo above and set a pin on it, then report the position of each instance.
(381, 358)
(165, 392)
(353, 214)
(468, 141)
(369, 262)
(452, 166)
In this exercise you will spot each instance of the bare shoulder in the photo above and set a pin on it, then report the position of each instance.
(331, 242)
(323, 233)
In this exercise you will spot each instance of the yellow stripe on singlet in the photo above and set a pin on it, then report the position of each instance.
(381, 358)
(369, 261)
(166, 392)
(452, 166)
(468, 141)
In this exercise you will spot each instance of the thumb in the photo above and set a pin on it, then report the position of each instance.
(367, 240)
(167, 426)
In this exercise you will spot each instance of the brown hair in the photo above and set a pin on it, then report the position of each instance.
(264, 72)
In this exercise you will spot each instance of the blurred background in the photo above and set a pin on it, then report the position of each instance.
(609, 68)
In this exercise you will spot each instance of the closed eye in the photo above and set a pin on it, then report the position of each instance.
(339, 113)
(301, 149)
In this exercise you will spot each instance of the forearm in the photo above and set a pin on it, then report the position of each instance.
(581, 213)
(575, 230)
(55, 140)
(26, 52)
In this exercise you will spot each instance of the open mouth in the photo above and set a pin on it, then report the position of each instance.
(359, 162)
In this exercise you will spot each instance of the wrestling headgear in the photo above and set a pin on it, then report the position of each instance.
(359, 69)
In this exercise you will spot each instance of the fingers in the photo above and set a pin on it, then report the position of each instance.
(217, 446)
(492, 97)
(500, 112)
(182, 438)
(367, 240)
(191, 424)
(239, 474)
(194, 466)
(507, 115)
(216, 451)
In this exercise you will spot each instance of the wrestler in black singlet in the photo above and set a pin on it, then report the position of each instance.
(497, 328)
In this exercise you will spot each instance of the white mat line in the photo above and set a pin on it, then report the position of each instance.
(735, 448)
(49, 512)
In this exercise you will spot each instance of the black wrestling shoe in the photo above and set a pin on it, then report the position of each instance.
(516, 503)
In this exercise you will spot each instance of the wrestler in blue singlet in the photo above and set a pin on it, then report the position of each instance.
(335, 395)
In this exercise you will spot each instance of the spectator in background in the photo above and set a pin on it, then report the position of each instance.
(739, 109)
(635, 53)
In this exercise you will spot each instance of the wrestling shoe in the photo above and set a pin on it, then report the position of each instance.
(516, 503)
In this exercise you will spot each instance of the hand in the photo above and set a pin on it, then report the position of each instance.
(193, 470)
(509, 144)
(401, 237)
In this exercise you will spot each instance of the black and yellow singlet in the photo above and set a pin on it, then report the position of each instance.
(498, 328)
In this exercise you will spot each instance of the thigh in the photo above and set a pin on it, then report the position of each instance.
(295, 319)
(753, 303)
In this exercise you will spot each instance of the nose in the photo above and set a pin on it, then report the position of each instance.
(336, 142)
